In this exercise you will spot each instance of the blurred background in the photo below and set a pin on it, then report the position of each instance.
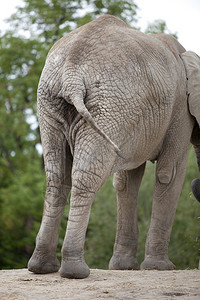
(26, 37)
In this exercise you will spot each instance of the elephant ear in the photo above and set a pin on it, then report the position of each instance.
(192, 64)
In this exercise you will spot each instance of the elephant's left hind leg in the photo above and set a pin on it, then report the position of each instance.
(58, 164)
(127, 185)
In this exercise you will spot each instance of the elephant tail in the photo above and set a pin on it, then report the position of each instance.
(77, 101)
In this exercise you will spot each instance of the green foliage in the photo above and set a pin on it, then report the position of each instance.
(21, 204)
(102, 226)
(126, 10)
(49, 20)
(34, 28)
(159, 26)
(20, 164)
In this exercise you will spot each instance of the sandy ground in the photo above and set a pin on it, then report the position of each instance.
(101, 284)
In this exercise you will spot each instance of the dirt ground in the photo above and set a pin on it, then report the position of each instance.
(101, 284)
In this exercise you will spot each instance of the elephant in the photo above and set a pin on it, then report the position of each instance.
(110, 98)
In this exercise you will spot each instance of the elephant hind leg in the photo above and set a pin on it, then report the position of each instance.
(127, 185)
(170, 175)
(58, 164)
(88, 175)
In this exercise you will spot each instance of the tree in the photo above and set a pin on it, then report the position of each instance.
(159, 26)
(19, 160)
(49, 20)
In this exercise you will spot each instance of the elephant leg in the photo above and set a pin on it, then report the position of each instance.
(170, 175)
(127, 185)
(88, 174)
(58, 164)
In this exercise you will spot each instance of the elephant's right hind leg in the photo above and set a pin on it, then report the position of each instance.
(58, 164)
(127, 185)
(89, 172)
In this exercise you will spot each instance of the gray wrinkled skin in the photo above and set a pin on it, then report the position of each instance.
(109, 99)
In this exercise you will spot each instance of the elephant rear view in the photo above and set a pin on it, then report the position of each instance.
(111, 98)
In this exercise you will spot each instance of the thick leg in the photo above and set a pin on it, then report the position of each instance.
(170, 173)
(88, 174)
(127, 185)
(58, 164)
(73, 263)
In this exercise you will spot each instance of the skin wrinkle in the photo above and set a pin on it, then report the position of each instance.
(152, 120)
(149, 85)
(86, 145)
(102, 117)
(91, 173)
(92, 180)
(59, 124)
(82, 188)
(49, 81)
(48, 213)
(176, 142)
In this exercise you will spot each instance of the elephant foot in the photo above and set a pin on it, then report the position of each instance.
(123, 262)
(43, 264)
(74, 269)
(152, 263)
